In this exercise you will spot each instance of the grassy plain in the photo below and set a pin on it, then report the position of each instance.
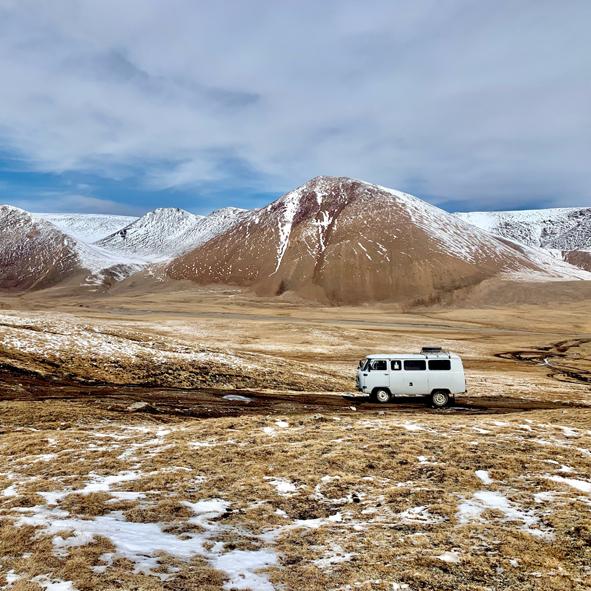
(343, 495)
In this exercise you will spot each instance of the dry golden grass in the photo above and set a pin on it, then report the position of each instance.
(367, 499)
(367, 469)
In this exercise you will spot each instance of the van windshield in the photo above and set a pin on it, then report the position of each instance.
(363, 364)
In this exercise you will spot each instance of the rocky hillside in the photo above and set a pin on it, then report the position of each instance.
(341, 240)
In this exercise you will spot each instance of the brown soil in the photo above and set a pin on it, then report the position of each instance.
(211, 402)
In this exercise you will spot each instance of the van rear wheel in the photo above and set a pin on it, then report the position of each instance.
(440, 399)
(382, 395)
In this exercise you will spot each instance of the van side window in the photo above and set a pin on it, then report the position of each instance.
(415, 365)
(440, 364)
(379, 365)
(396, 365)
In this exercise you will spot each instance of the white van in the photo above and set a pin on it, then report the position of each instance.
(433, 373)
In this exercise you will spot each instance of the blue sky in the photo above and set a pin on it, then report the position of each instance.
(121, 107)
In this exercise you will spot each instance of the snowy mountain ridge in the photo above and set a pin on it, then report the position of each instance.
(88, 227)
(337, 238)
(165, 233)
(35, 251)
(557, 228)
(44, 248)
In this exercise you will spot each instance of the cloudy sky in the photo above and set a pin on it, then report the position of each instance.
(121, 106)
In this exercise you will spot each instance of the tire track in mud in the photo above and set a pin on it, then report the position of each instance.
(546, 355)
(20, 385)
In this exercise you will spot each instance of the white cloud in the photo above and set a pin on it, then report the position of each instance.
(63, 203)
(483, 103)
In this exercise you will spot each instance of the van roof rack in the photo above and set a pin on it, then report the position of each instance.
(430, 349)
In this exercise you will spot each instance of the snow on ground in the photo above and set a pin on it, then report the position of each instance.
(335, 555)
(282, 485)
(449, 556)
(483, 476)
(141, 542)
(473, 508)
(376, 479)
(580, 485)
(237, 398)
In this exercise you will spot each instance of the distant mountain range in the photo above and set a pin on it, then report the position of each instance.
(566, 231)
(334, 239)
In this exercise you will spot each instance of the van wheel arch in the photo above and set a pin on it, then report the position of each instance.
(381, 395)
(440, 398)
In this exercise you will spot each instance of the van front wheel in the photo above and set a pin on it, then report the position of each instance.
(440, 399)
(382, 396)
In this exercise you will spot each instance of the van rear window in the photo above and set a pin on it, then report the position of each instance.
(440, 364)
(415, 365)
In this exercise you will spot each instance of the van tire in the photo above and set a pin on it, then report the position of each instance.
(440, 399)
(382, 395)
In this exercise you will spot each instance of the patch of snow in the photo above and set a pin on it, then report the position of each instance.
(409, 426)
(50, 584)
(237, 398)
(472, 509)
(282, 485)
(10, 491)
(289, 205)
(419, 515)
(241, 566)
(449, 556)
(44, 458)
(484, 476)
(543, 497)
(206, 510)
(12, 577)
(336, 556)
(141, 543)
(580, 485)
(104, 483)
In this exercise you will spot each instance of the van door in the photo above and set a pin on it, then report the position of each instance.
(377, 376)
(416, 382)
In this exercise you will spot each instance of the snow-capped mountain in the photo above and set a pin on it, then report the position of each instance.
(560, 228)
(39, 250)
(346, 241)
(164, 233)
(35, 254)
(88, 227)
(334, 239)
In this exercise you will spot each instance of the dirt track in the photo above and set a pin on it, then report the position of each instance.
(204, 403)
(555, 357)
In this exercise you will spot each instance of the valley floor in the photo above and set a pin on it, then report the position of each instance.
(252, 467)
